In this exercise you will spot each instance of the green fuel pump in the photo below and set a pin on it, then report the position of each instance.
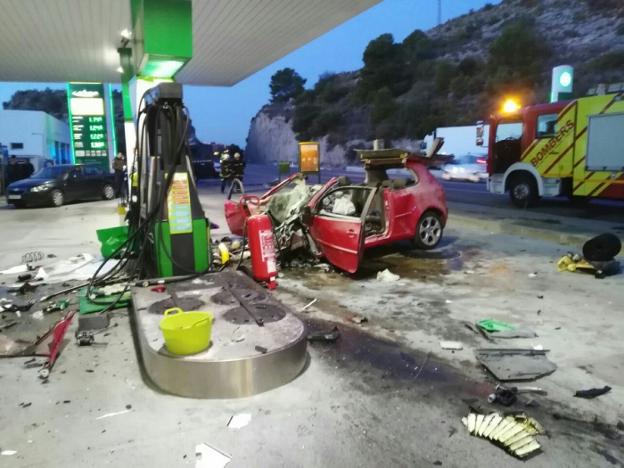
(177, 237)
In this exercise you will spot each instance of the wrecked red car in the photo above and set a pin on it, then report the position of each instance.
(398, 200)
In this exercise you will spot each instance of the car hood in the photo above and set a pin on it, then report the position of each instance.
(29, 183)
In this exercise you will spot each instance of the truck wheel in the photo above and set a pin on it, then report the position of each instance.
(56, 197)
(108, 192)
(523, 191)
(428, 231)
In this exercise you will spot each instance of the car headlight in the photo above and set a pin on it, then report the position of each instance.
(40, 188)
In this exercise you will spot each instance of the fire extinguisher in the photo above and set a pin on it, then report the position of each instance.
(262, 249)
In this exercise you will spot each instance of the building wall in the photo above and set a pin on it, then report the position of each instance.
(35, 133)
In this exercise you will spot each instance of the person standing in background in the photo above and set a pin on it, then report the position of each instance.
(119, 169)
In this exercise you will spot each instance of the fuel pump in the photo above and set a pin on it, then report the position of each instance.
(175, 234)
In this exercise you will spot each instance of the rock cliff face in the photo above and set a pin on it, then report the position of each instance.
(271, 139)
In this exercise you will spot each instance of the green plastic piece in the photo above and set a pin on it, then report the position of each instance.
(111, 239)
(492, 325)
(88, 306)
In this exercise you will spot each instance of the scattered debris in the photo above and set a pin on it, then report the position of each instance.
(57, 333)
(25, 404)
(386, 276)
(110, 415)
(602, 248)
(24, 277)
(309, 304)
(237, 335)
(57, 306)
(359, 319)
(507, 396)
(8, 453)
(326, 336)
(448, 301)
(592, 392)
(261, 349)
(38, 315)
(209, 457)
(533, 275)
(573, 262)
(34, 256)
(515, 364)
(7, 324)
(161, 288)
(26, 288)
(451, 345)
(15, 270)
(516, 434)
(499, 329)
(239, 420)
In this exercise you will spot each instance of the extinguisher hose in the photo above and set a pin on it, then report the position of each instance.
(242, 254)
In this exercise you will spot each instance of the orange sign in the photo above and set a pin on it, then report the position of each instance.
(309, 156)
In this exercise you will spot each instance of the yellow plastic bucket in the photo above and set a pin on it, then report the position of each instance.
(186, 332)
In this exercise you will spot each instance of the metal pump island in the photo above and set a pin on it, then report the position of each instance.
(247, 356)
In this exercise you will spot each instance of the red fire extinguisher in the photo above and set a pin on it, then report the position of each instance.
(262, 249)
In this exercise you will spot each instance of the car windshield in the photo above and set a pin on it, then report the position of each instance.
(509, 131)
(51, 172)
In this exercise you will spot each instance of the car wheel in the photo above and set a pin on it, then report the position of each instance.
(108, 192)
(523, 191)
(428, 231)
(56, 197)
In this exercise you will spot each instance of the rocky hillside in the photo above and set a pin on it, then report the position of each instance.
(453, 74)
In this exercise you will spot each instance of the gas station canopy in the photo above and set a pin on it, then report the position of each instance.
(77, 40)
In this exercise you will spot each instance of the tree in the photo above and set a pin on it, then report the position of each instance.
(517, 56)
(383, 106)
(54, 102)
(285, 85)
(383, 67)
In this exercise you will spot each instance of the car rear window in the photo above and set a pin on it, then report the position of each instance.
(402, 176)
(50, 172)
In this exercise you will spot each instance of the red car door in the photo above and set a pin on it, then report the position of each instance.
(337, 225)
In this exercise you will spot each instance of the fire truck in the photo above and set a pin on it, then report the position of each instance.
(573, 148)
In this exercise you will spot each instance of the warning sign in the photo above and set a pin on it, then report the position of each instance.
(309, 156)
(179, 205)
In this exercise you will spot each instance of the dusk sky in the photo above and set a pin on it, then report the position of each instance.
(223, 114)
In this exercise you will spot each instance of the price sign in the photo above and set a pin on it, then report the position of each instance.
(88, 123)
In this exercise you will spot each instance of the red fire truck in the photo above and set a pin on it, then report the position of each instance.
(573, 148)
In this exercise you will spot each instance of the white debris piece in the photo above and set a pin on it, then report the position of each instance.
(38, 315)
(239, 420)
(109, 415)
(452, 345)
(15, 270)
(41, 274)
(208, 457)
(8, 452)
(309, 304)
(386, 276)
(532, 275)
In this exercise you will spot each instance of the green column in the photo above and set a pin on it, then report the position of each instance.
(163, 36)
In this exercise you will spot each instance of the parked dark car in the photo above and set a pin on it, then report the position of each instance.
(56, 185)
